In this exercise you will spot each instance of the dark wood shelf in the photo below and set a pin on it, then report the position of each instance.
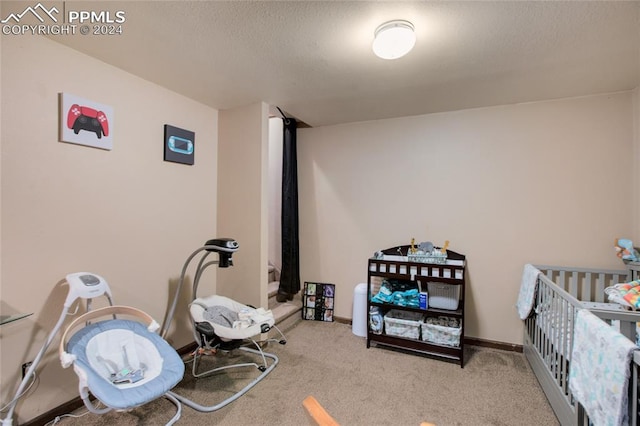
(430, 311)
(395, 266)
(428, 348)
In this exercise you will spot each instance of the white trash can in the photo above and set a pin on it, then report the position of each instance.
(360, 318)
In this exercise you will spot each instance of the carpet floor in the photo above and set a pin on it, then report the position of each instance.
(356, 386)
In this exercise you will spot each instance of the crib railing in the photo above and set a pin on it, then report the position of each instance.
(634, 270)
(584, 284)
(551, 331)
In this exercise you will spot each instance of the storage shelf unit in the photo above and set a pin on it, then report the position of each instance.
(393, 265)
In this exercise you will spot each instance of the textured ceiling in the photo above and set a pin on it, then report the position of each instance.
(314, 59)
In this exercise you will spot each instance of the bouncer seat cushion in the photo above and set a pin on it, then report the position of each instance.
(231, 320)
(124, 363)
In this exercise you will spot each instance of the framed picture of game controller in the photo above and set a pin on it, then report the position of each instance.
(85, 122)
(179, 145)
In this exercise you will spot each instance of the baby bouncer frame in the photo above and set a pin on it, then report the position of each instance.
(212, 337)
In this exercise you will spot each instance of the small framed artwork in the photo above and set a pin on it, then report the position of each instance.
(318, 301)
(85, 122)
(179, 145)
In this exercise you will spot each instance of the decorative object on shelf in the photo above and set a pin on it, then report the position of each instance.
(436, 256)
(318, 301)
(426, 252)
(179, 145)
(85, 122)
(626, 251)
(426, 246)
(413, 249)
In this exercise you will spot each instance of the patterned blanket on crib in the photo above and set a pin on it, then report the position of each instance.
(527, 293)
(626, 294)
(600, 369)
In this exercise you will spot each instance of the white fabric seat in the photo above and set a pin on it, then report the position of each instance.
(124, 363)
(251, 321)
(221, 324)
(101, 344)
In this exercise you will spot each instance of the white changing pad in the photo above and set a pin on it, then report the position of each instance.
(254, 319)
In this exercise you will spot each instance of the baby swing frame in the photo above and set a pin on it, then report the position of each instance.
(211, 338)
(84, 285)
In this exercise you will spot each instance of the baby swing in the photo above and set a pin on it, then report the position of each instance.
(222, 324)
(121, 362)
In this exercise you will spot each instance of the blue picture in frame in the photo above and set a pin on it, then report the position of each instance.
(179, 145)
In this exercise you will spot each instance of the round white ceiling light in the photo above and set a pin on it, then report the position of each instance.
(394, 39)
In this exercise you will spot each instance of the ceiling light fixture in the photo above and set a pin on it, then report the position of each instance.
(394, 39)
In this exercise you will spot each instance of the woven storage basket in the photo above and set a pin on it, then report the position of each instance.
(402, 324)
(442, 331)
(443, 296)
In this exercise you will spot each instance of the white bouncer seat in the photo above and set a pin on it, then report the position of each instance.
(230, 320)
(222, 324)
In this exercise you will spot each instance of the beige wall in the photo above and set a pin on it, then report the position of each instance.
(124, 214)
(544, 183)
(242, 201)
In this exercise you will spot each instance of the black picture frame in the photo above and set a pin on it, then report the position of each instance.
(318, 301)
(179, 145)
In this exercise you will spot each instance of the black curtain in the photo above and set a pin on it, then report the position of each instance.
(290, 275)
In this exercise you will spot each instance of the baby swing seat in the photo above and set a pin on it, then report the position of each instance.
(228, 319)
(222, 324)
(122, 362)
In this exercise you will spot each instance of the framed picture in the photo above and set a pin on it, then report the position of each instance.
(179, 145)
(85, 122)
(318, 301)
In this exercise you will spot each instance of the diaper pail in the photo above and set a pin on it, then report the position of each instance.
(360, 317)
